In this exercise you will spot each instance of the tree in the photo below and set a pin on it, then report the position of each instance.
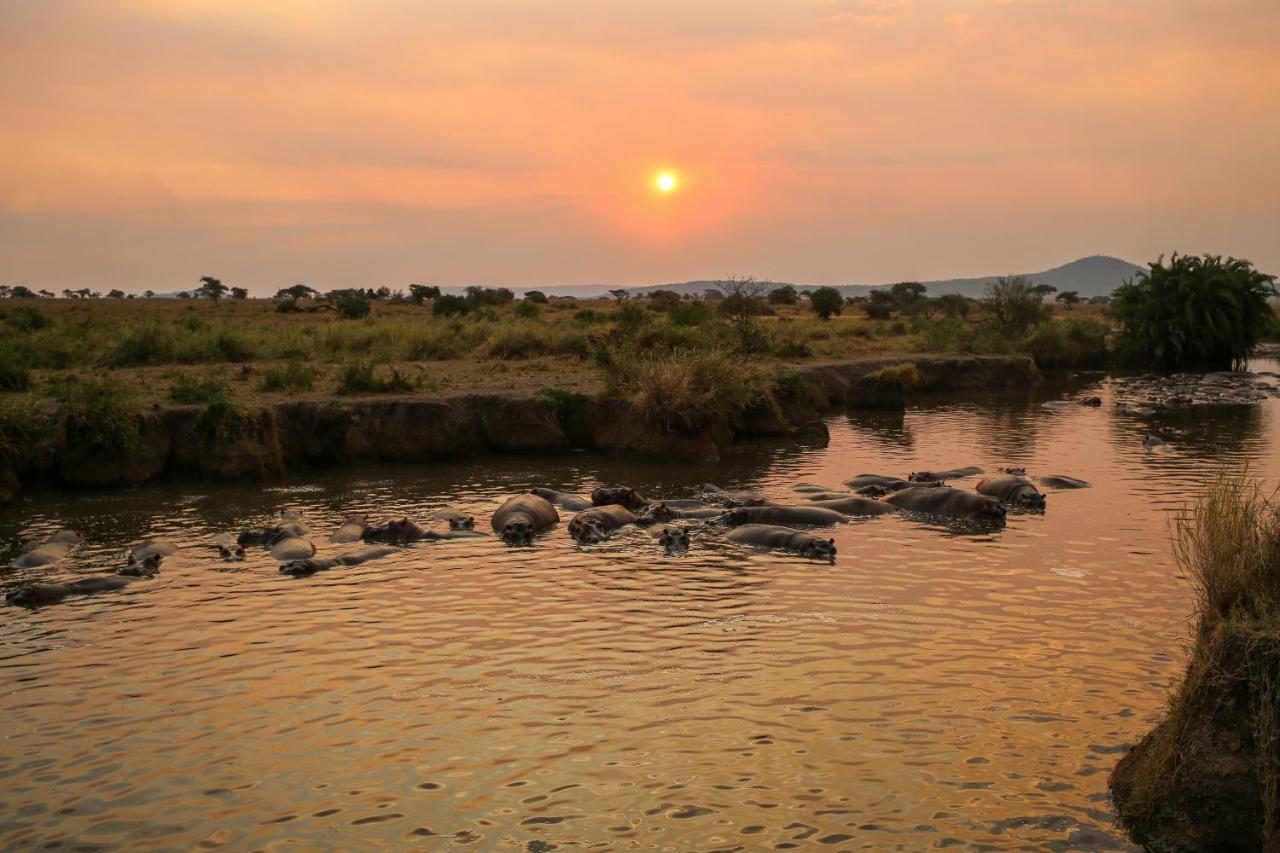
(69, 294)
(1068, 298)
(1043, 290)
(383, 293)
(537, 297)
(880, 305)
(826, 301)
(711, 294)
(47, 294)
(148, 293)
(663, 298)
(742, 303)
(954, 305)
(1199, 312)
(115, 294)
(490, 295)
(449, 305)
(785, 295)
(1015, 302)
(621, 294)
(21, 291)
(212, 288)
(182, 294)
(907, 293)
(5, 290)
(1100, 300)
(239, 293)
(422, 292)
(353, 308)
(84, 293)
(298, 291)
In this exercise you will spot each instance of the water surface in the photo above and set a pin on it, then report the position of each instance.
(934, 687)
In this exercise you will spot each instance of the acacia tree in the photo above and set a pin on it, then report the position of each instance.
(1015, 302)
(785, 295)
(1194, 312)
(421, 292)
(826, 301)
(211, 287)
(239, 293)
(743, 302)
(621, 294)
(1068, 298)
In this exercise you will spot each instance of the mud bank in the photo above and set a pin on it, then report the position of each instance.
(238, 444)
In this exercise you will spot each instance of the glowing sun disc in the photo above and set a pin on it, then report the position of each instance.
(666, 182)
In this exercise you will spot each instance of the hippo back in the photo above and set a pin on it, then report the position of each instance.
(537, 510)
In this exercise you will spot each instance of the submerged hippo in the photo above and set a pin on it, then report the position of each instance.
(1015, 471)
(664, 511)
(149, 548)
(674, 541)
(620, 495)
(732, 499)
(949, 503)
(943, 476)
(564, 500)
(352, 529)
(228, 549)
(810, 488)
(36, 594)
(520, 517)
(876, 485)
(53, 550)
(402, 531)
(1151, 442)
(287, 541)
(784, 539)
(301, 568)
(1017, 492)
(857, 505)
(810, 516)
(457, 520)
(1059, 481)
(686, 504)
(595, 524)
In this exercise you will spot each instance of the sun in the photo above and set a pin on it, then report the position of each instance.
(666, 182)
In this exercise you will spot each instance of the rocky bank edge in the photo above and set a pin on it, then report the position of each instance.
(258, 444)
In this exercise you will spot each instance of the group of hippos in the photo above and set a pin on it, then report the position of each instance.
(752, 521)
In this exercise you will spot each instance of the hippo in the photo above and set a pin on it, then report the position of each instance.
(857, 505)
(53, 550)
(810, 516)
(457, 520)
(520, 517)
(1151, 442)
(402, 531)
(784, 539)
(290, 547)
(620, 495)
(1091, 401)
(687, 504)
(943, 476)
(876, 485)
(1015, 471)
(832, 495)
(595, 524)
(1059, 481)
(228, 549)
(663, 511)
(149, 548)
(949, 503)
(567, 502)
(732, 499)
(1017, 492)
(36, 594)
(804, 488)
(674, 541)
(352, 529)
(267, 536)
(302, 568)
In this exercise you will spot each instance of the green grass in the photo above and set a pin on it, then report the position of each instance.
(190, 389)
(363, 377)
(99, 414)
(293, 377)
(685, 390)
(901, 377)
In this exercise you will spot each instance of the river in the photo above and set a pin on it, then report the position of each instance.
(933, 687)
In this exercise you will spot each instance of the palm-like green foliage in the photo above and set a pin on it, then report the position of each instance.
(1193, 312)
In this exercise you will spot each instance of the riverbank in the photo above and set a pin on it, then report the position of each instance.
(91, 442)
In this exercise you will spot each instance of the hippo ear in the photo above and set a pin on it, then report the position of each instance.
(831, 541)
(666, 531)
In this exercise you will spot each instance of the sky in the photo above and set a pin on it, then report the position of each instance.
(146, 143)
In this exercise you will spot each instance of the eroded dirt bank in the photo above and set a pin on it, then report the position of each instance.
(254, 444)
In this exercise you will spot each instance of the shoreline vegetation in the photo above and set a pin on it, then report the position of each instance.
(95, 389)
(1208, 776)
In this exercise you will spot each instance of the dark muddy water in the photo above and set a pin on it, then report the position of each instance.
(934, 687)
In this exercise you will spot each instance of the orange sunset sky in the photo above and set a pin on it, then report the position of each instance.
(148, 142)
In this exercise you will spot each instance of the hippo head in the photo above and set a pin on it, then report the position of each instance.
(746, 500)
(920, 477)
(467, 522)
(1032, 501)
(231, 553)
(875, 490)
(991, 511)
(675, 541)
(819, 549)
(659, 512)
(26, 596)
(145, 569)
(1017, 472)
(587, 531)
(70, 537)
(299, 568)
(736, 517)
(517, 533)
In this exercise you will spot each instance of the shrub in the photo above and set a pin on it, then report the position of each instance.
(354, 308)
(363, 378)
(784, 295)
(1194, 312)
(901, 377)
(826, 301)
(519, 340)
(292, 377)
(27, 319)
(98, 416)
(190, 389)
(218, 420)
(449, 305)
(688, 314)
(1067, 344)
(536, 296)
(13, 377)
(232, 346)
(527, 310)
(1015, 303)
(145, 343)
(588, 316)
(686, 391)
(287, 306)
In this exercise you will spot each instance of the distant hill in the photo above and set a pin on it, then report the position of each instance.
(1096, 275)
